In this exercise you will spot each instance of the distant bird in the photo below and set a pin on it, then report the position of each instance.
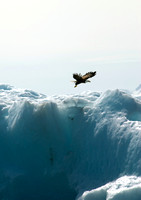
(83, 79)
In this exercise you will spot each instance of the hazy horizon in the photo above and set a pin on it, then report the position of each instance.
(43, 43)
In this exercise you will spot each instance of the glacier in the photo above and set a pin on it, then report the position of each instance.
(83, 146)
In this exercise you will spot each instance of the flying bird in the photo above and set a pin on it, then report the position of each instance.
(83, 79)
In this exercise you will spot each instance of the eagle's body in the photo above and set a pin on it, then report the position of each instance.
(83, 79)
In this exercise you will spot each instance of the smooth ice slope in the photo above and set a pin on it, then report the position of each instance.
(58, 147)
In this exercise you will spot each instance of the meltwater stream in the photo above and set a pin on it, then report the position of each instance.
(83, 147)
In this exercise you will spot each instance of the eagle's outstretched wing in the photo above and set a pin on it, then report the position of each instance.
(77, 77)
(88, 75)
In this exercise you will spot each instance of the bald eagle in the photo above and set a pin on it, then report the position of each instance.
(83, 79)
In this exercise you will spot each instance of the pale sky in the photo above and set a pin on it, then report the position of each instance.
(43, 42)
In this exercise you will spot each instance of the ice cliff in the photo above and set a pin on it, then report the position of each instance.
(67, 147)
